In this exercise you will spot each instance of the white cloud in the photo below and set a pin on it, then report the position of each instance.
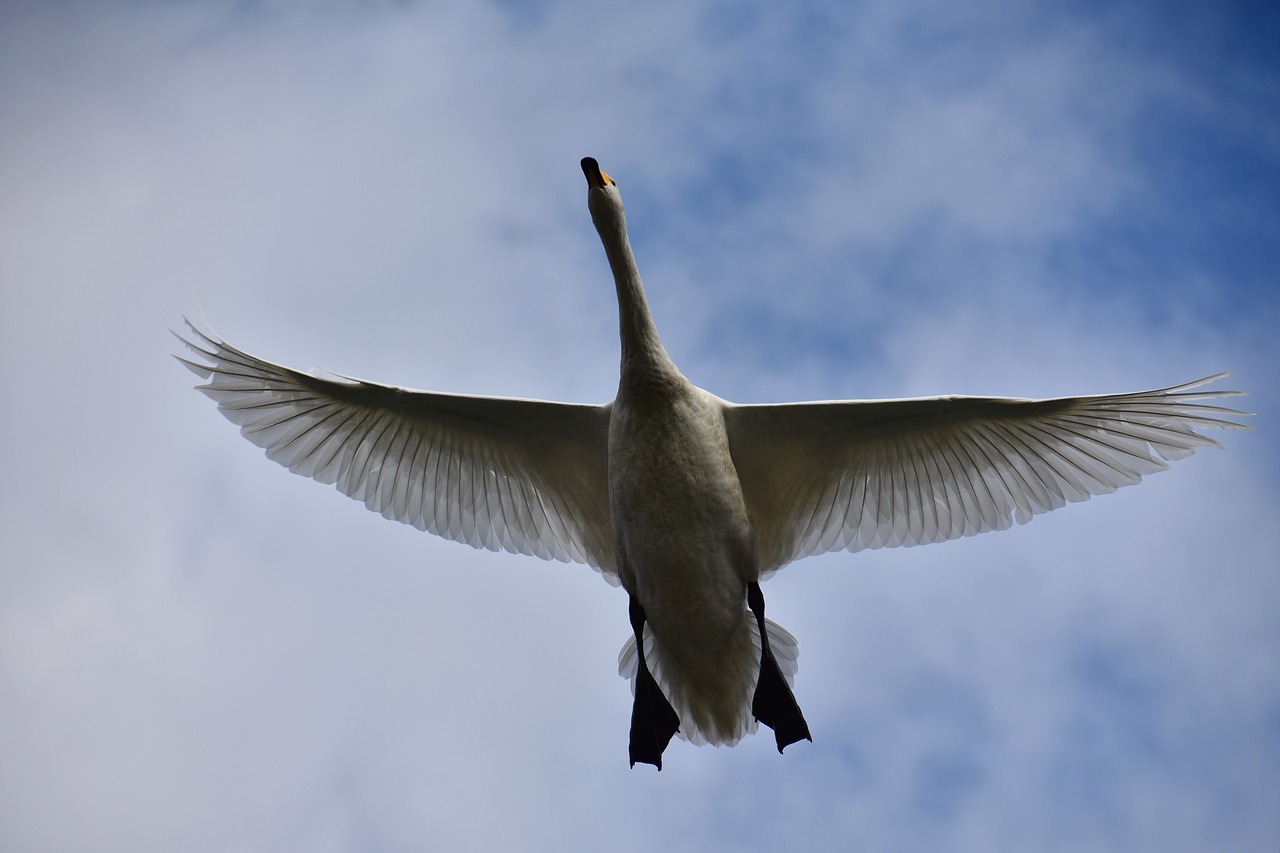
(198, 651)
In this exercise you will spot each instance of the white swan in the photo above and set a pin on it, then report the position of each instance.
(688, 500)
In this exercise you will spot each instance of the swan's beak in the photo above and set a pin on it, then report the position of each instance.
(596, 179)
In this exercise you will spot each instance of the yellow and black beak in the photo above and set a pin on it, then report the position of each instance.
(596, 179)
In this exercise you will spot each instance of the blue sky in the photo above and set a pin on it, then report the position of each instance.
(199, 651)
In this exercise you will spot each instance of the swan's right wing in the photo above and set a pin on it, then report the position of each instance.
(856, 474)
(526, 476)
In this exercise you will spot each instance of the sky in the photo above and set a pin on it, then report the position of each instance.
(202, 652)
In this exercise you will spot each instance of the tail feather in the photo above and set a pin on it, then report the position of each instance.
(698, 723)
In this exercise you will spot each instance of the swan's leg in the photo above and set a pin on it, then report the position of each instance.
(774, 703)
(653, 721)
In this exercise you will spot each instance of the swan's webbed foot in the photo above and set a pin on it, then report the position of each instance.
(653, 721)
(774, 704)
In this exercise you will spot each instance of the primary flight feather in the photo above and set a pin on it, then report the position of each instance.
(688, 500)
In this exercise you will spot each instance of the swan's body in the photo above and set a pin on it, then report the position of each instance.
(685, 549)
(686, 499)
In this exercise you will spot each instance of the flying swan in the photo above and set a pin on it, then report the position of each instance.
(688, 500)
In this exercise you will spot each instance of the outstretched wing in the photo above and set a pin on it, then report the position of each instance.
(525, 476)
(849, 475)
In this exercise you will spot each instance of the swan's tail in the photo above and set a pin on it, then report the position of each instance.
(702, 719)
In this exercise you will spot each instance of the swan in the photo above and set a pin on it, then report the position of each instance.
(688, 501)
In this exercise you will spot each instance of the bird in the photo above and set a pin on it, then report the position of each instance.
(688, 501)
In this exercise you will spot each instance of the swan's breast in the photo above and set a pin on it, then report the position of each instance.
(682, 535)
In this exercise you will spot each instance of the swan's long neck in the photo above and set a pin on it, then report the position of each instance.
(644, 359)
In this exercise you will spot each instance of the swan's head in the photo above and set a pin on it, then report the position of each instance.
(603, 198)
(596, 179)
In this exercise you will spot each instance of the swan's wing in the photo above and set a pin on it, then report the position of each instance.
(872, 474)
(519, 475)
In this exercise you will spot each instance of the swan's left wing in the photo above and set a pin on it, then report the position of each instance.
(829, 476)
(526, 476)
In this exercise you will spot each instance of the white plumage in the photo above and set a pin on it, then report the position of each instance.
(689, 500)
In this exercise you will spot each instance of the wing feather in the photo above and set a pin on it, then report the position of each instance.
(882, 473)
(526, 476)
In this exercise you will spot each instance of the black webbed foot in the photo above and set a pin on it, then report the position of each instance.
(774, 704)
(653, 721)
